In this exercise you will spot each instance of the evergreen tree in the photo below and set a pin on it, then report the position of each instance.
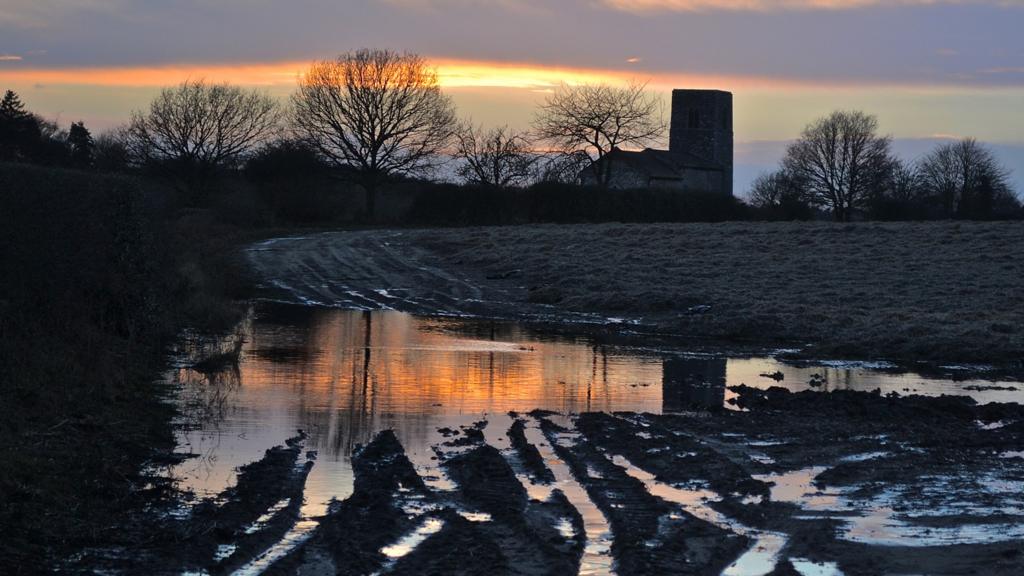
(82, 145)
(19, 129)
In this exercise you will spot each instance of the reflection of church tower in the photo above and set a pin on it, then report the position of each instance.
(692, 384)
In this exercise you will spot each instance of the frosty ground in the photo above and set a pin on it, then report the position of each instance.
(937, 292)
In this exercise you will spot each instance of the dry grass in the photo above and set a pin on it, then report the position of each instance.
(945, 292)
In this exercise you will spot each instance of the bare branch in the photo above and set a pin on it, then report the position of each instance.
(377, 111)
(596, 119)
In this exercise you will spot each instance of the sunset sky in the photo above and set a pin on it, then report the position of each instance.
(930, 69)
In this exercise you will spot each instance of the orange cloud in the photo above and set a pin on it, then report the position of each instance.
(451, 74)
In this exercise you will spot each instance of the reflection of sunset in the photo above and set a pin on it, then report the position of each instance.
(412, 367)
(342, 376)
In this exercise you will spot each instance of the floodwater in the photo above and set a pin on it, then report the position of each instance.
(342, 376)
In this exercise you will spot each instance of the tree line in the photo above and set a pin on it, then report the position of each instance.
(840, 164)
(371, 117)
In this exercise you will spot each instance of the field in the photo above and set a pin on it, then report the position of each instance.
(939, 292)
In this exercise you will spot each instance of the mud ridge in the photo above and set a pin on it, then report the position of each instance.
(350, 538)
(650, 535)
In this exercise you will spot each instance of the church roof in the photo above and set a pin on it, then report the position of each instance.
(660, 164)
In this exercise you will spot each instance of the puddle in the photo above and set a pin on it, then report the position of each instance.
(809, 568)
(342, 375)
(934, 518)
(409, 542)
(294, 537)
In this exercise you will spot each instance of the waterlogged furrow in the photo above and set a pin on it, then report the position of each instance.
(758, 560)
(650, 535)
(597, 557)
(524, 529)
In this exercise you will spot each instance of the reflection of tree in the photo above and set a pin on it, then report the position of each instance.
(206, 398)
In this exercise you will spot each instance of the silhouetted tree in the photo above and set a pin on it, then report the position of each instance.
(497, 158)
(111, 151)
(378, 112)
(19, 129)
(841, 159)
(562, 167)
(780, 194)
(82, 146)
(196, 129)
(899, 194)
(51, 148)
(596, 119)
(966, 180)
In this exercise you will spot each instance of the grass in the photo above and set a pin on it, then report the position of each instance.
(100, 274)
(936, 291)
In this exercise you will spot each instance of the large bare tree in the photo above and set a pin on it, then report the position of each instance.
(965, 178)
(196, 128)
(840, 159)
(596, 119)
(379, 112)
(498, 158)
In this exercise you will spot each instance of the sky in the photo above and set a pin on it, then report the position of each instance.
(930, 70)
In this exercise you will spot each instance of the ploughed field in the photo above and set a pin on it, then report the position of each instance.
(938, 292)
(799, 483)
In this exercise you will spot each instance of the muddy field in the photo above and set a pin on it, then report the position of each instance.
(807, 483)
(910, 292)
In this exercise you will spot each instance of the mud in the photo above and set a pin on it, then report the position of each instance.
(214, 535)
(849, 482)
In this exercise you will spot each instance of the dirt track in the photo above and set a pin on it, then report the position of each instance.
(382, 269)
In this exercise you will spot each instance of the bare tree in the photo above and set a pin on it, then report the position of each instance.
(562, 167)
(195, 129)
(775, 189)
(596, 119)
(966, 179)
(379, 112)
(842, 160)
(112, 151)
(498, 158)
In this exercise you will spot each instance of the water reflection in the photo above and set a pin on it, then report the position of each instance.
(693, 384)
(342, 376)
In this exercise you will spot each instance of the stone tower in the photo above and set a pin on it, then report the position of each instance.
(702, 126)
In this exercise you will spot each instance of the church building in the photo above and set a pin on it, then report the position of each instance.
(699, 155)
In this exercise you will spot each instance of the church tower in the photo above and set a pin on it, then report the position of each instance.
(702, 127)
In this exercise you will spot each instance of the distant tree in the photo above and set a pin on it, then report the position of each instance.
(19, 129)
(195, 130)
(285, 159)
(780, 194)
(82, 146)
(378, 112)
(51, 147)
(497, 158)
(899, 194)
(841, 159)
(562, 167)
(110, 152)
(966, 180)
(596, 119)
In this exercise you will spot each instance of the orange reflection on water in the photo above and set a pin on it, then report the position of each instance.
(342, 376)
